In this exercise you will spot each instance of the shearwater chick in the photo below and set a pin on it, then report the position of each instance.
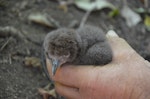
(83, 46)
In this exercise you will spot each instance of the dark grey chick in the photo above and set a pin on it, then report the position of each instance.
(84, 46)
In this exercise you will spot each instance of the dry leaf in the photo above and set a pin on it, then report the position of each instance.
(43, 19)
(32, 61)
(46, 92)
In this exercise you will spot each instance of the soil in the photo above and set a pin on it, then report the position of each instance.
(18, 81)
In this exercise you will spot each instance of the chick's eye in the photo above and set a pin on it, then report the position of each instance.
(66, 55)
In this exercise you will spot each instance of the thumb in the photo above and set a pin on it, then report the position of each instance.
(120, 48)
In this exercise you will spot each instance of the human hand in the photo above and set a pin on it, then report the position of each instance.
(126, 77)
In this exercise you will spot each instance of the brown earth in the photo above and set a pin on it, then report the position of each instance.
(18, 81)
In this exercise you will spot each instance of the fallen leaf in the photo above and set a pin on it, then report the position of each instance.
(43, 19)
(46, 92)
(130, 16)
(87, 5)
(32, 61)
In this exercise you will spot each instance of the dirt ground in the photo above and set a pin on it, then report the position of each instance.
(18, 81)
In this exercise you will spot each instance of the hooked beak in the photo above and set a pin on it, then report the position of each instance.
(55, 65)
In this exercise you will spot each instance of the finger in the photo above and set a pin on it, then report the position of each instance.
(67, 92)
(121, 49)
(71, 75)
(75, 76)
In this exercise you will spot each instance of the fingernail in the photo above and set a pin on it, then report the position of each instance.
(112, 33)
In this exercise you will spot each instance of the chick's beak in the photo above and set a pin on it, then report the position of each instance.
(55, 65)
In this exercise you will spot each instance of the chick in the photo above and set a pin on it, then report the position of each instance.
(83, 46)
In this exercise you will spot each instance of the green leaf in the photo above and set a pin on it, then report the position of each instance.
(113, 13)
(147, 22)
(95, 5)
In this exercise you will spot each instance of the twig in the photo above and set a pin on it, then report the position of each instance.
(4, 45)
(84, 19)
(146, 3)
